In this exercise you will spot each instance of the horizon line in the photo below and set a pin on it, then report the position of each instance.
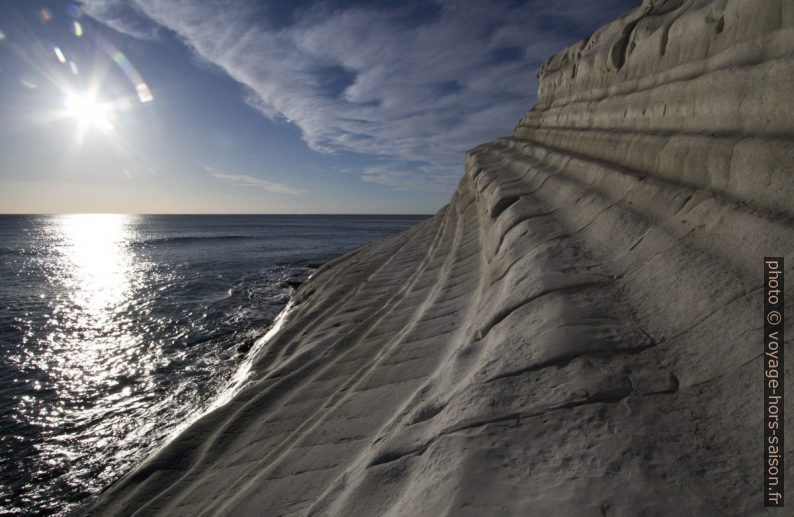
(4, 214)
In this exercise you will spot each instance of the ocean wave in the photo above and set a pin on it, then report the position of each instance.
(188, 238)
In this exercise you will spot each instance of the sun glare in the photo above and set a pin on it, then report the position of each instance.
(97, 259)
(89, 112)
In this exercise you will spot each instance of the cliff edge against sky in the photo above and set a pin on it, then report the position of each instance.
(577, 333)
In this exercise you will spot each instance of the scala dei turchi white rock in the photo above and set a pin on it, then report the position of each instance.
(578, 333)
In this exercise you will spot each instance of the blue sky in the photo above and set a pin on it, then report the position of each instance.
(264, 107)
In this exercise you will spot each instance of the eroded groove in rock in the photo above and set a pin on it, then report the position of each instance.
(576, 331)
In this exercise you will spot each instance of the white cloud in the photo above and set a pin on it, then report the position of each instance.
(251, 181)
(122, 16)
(356, 79)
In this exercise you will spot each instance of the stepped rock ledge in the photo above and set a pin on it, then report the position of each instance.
(577, 333)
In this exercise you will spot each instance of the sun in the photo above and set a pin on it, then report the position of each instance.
(89, 112)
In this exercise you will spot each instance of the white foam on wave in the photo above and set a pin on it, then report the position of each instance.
(238, 380)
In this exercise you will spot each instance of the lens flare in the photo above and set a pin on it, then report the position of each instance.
(78, 29)
(59, 54)
(143, 92)
(141, 88)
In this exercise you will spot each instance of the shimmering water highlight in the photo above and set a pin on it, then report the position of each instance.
(117, 330)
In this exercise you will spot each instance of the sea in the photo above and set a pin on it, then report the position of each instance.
(117, 331)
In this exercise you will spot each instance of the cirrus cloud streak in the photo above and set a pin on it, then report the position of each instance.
(412, 85)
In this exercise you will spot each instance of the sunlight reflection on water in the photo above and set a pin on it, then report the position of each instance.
(96, 261)
(116, 331)
(94, 364)
(128, 329)
(91, 360)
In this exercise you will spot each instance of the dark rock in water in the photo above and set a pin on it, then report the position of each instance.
(244, 348)
(294, 284)
(294, 278)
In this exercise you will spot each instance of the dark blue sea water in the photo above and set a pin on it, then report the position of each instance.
(115, 331)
